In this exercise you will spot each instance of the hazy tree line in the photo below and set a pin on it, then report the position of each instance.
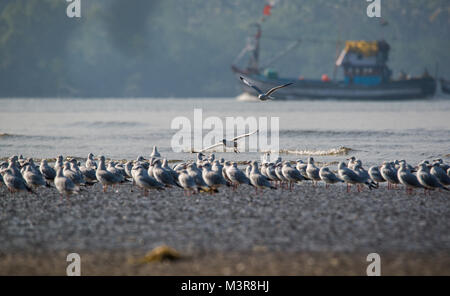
(163, 48)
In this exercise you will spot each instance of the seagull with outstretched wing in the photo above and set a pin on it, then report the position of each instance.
(261, 95)
(229, 143)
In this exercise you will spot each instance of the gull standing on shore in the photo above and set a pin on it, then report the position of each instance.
(14, 183)
(47, 171)
(408, 179)
(427, 180)
(291, 174)
(236, 176)
(212, 178)
(64, 185)
(440, 174)
(155, 153)
(104, 176)
(312, 171)
(258, 180)
(328, 177)
(389, 173)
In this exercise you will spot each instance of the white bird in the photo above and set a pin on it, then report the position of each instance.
(212, 178)
(389, 173)
(229, 143)
(64, 184)
(375, 174)
(90, 162)
(258, 180)
(14, 183)
(301, 167)
(163, 176)
(291, 174)
(104, 176)
(47, 171)
(155, 153)
(408, 179)
(350, 177)
(312, 171)
(262, 96)
(187, 182)
(328, 176)
(32, 178)
(440, 174)
(236, 176)
(427, 180)
(144, 181)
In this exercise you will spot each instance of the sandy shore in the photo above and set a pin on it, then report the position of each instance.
(311, 230)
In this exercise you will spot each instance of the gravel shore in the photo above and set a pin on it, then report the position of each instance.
(310, 222)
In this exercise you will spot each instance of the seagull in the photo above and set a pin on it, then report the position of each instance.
(229, 143)
(163, 176)
(389, 173)
(32, 178)
(196, 173)
(328, 177)
(408, 179)
(301, 167)
(47, 171)
(104, 176)
(261, 95)
(90, 162)
(350, 177)
(362, 173)
(258, 180)
(212, 178)
(291, 174)
(312, 171)
(375, 175)
(144, 181)
(440, 174)
(63, 184)
(155, 153)
(14, 183)
(427, 180)
(187, 182)
(236, 176)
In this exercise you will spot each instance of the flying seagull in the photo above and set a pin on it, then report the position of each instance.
(261, 95)
(229, 143)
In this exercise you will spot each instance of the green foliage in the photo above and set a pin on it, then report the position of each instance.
(165, 48)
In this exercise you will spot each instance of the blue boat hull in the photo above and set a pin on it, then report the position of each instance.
(418, 88)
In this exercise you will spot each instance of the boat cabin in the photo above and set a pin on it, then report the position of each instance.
(365, 62)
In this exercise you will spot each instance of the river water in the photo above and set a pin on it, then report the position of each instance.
(125, 128)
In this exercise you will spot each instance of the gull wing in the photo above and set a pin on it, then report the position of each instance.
(243, 136)
(252, 86)
(277, 87)
(212, 146)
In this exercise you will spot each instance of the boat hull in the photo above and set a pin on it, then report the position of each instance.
(419, 88)
(445, 85)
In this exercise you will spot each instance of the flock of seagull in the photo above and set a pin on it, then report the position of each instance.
(207, 174)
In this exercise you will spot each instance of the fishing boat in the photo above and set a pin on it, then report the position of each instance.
(366, 76)
(445, 85)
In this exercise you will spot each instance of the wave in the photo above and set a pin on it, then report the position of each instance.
(329, 152)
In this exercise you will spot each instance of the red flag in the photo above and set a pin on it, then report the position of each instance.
(267, 9)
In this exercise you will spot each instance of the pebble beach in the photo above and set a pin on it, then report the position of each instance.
(311, 230)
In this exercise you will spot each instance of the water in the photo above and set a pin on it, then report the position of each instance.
(126, 128)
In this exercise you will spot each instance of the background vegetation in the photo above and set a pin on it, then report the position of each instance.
(163, 48)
